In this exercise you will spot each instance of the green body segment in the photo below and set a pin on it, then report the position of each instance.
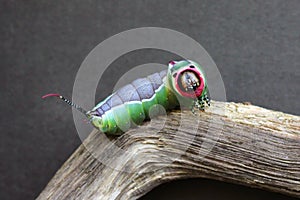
(130, 114)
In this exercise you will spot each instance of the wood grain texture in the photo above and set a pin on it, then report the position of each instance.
(232, 142)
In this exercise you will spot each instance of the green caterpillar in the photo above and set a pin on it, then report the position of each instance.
(183, 84)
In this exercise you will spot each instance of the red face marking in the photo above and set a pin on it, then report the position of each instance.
(191, 94)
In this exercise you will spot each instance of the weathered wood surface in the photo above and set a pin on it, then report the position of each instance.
(236, 143)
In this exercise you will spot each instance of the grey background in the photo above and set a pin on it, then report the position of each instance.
(255, 44)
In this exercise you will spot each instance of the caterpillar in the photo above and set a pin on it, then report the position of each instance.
(182, 84)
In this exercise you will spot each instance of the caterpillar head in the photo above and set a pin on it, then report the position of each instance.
(187, 78)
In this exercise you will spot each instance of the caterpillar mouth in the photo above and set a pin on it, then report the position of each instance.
(189, 83)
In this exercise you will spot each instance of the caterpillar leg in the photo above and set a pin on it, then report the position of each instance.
(193, 108)
(206, 100)
(200, 103)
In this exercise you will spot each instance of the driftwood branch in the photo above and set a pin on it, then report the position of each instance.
(236, 143)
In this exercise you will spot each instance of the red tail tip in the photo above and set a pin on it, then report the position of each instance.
(50, 95)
